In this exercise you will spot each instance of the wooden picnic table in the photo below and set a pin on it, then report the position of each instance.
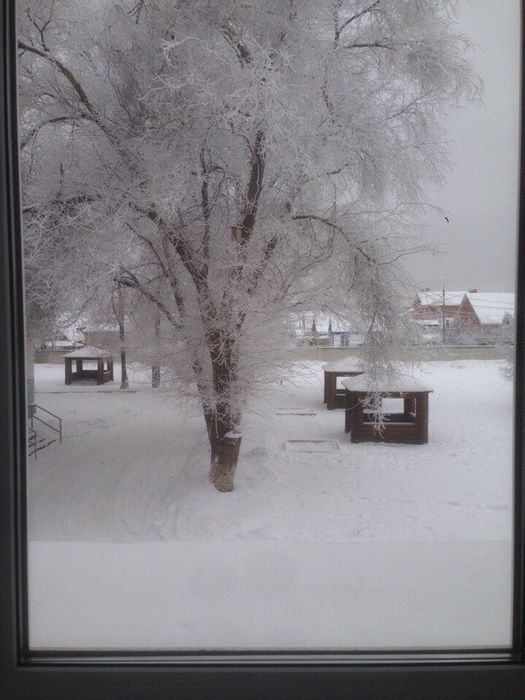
(407, 426)
(346, 367)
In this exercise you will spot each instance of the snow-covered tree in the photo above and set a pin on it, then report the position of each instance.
(59, 277)
(259, 155)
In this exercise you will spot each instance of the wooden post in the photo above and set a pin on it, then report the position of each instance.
(100, 371)
(332, 385)
(110, 368)
(409, 406)
(356, 417)
(348, 411)
(422, 418)
(69, 370)
(325, 396)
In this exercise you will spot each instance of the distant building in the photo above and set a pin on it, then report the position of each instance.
(430, 305)
(322, 329)
(470, 316)
(486, 310)
(103, 335)
(64, 339)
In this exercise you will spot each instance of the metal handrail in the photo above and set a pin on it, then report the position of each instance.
(41, 408)
(32, 443)
(57, 430)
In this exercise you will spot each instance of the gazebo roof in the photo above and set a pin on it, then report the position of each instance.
(401, 383)
(89, 352)
(346, 364)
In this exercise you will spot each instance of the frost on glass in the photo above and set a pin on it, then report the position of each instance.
(230, 209)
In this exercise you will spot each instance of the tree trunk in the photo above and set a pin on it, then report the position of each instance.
(225, 441)
(155, 376)
(225, 454)
(155, 370)
(123, 367)
(124, 384)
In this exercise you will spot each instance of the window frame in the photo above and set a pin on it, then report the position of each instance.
(460, 677)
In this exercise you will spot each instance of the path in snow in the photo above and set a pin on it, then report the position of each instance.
(119, 470)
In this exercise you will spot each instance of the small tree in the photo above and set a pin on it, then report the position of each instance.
(264, 154)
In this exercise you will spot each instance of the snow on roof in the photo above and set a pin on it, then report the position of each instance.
(433, 298)
(88, 351)
(346, 364)
(62, 343)
(403, 382)
(492, 307)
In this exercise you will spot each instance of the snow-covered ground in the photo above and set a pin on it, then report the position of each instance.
(364, 545)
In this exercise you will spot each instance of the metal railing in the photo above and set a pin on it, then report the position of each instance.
(41, 420)
(36, 443)
(31, 443)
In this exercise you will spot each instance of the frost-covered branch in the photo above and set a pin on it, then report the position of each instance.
(355, 17)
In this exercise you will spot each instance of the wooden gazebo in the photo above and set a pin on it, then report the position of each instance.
(346, 367)
(103, 372)
(408, 426)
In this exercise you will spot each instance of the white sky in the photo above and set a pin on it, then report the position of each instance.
(480, 196)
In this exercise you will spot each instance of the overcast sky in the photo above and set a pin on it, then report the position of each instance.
(480, 196)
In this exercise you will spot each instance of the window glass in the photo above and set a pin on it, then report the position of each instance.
(270, 257)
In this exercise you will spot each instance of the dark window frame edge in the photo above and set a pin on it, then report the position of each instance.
(81, 676)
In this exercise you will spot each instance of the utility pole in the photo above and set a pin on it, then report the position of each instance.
(443, 316)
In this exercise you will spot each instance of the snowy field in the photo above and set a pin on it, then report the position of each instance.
(362, 546)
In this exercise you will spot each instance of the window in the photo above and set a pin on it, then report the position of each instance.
(421, 674)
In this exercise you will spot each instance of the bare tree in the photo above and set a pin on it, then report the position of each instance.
(262, 154)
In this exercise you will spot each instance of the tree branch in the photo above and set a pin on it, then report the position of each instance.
(205, 203)
(63, 204)
(238, 44)
(92, 113)
(53, 120)
(379, 44)
(254, 187)
(65, 72)
(354, 17)
(266, 256)
(127, 279)
(187, 257)
(335, 227)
